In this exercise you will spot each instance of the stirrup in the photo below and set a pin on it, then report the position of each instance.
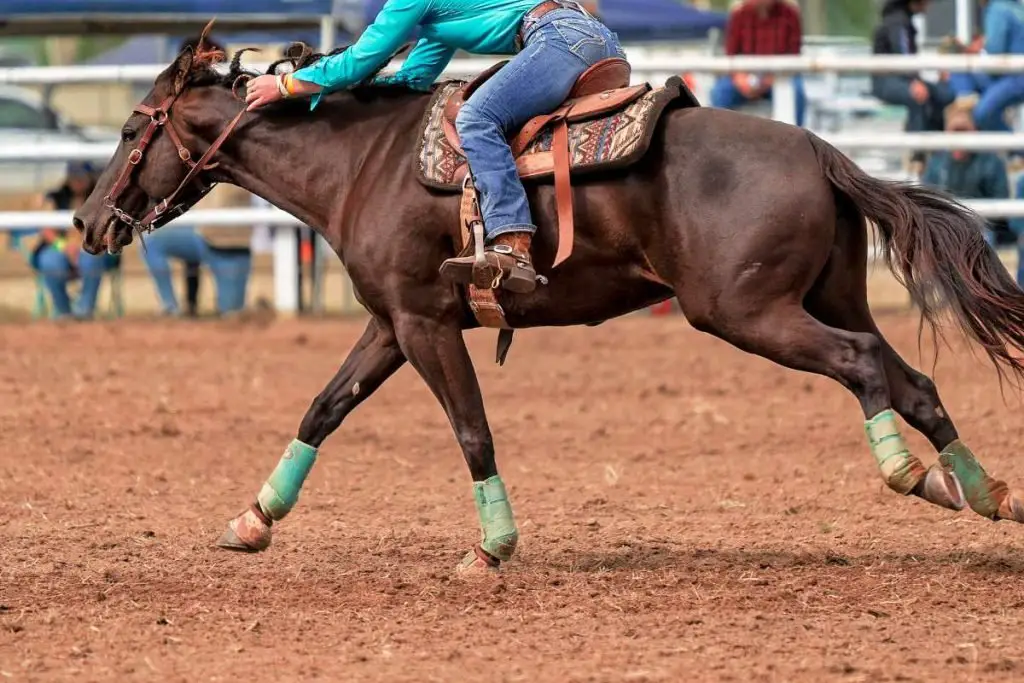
(498, 270)
(516, 272)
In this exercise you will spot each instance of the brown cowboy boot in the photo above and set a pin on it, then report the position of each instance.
(508, 263)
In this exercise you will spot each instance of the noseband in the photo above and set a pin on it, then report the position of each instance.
(164, 211)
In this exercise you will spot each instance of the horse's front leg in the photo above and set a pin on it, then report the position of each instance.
(438, 352)
(375, 357)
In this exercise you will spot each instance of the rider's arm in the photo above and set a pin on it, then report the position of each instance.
(374, 48)
(422, 67)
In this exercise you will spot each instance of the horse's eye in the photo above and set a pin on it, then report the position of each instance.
(127, 135)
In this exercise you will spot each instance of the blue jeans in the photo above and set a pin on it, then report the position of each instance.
(230, 270)
(997, 94)
(559, 47)
(55, 267)
(725, 95)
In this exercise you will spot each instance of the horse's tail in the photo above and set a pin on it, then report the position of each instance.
(935, 247)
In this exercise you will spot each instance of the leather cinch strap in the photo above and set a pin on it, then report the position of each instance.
(563, 191)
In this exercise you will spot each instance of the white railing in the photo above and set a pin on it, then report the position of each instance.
(646, 64)
(245, 218)
(976, 142)
(286, 248)
(653, 67)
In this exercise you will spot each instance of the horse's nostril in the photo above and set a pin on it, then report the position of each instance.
(79, 225)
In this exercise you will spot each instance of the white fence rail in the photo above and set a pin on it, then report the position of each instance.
(101, 151)
(653, 67)
(244, 218)
(642, 65)
(12, 220)
(286, 249)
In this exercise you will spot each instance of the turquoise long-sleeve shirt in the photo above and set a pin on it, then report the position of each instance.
(485, 27)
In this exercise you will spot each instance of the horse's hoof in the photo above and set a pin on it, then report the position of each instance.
(941, 487)
(1012, 508)
(477, 563)
(246, 533)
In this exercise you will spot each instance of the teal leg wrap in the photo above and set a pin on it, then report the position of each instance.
(983, 493)
(281, 491)
(899, 468)
(499, 533)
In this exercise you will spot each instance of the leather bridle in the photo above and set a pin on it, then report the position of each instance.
(164, 211)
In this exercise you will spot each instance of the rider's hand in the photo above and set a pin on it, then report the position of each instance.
(261, 90)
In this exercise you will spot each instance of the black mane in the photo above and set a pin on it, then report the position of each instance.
(299, 55)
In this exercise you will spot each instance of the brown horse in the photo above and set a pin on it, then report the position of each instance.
(757, 227)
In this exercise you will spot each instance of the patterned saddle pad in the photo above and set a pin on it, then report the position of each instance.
(614, 140)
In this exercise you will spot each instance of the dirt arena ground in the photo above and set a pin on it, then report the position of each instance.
(688, 513)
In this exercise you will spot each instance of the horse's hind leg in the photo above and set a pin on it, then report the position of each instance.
(375, 357)
(784, 332)
(840, 299)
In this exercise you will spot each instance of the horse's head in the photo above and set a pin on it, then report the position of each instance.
(153, 176)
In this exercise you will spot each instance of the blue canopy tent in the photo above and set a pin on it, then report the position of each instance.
(659, 19)
(631, 19)
(181, 17)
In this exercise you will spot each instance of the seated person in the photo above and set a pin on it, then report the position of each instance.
(1004, 35)
(230, 264)
(57, 256)
(760, 27)
(968, 175)
(925, 102)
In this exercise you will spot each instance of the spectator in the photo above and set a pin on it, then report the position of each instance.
(968, 175)
(925, 102)
(1004, 34)
(760, 27)
(57, 254)
(230, 266)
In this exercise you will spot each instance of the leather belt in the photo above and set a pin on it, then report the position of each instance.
(538, 12)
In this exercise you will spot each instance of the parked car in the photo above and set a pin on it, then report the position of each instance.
(26, 119)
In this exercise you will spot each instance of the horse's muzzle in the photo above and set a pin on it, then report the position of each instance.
(91, 242)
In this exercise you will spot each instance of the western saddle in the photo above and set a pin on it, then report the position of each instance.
(602, 89)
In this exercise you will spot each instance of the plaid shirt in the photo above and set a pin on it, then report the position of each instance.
(778, 32)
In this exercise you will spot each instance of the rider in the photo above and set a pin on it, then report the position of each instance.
(554, 42)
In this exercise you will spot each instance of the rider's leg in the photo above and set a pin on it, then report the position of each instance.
(558, 49)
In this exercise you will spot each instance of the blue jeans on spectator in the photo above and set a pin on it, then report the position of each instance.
(996, 95)
(725, 95)
(230, 268)
(55, 267)
(559, 47)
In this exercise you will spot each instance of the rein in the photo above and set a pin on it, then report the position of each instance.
(164, 211)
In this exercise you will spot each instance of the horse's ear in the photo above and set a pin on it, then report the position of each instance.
(182, 69)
